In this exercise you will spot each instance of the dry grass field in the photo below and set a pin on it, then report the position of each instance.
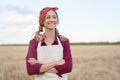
(91, 62)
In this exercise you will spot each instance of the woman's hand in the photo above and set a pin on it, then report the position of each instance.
(60, 62)
(53, 70)
(32, 61)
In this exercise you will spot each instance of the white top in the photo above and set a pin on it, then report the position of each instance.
(50, 53)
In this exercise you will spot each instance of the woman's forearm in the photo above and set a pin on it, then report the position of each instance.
(47, 66)
(53, 70)
(50, 66)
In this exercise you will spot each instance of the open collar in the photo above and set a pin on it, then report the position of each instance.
(55, 42)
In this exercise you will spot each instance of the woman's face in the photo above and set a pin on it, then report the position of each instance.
(51, 20)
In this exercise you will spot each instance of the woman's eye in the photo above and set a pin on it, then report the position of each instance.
(47, 17)
(55, 17)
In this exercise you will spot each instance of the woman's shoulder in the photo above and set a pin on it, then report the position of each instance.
(33, 42)
(65, 42)
(63, 39)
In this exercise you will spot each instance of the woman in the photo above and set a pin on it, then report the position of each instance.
(49, 55)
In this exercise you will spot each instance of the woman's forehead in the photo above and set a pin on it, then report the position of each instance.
(51, 12)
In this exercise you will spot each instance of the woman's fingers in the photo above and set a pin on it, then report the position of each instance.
(60, 62)
(32, 61)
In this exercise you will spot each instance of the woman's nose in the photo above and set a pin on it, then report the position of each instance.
(51, 19)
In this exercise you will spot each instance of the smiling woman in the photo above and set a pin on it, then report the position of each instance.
(93, 22)
(49, 54)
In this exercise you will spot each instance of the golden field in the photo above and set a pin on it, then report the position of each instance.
(90, 62)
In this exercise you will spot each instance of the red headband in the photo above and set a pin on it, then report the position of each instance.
(44, 10)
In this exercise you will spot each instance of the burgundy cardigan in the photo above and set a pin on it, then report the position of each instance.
(32, 53)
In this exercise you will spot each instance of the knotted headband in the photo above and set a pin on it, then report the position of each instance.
(44, 11)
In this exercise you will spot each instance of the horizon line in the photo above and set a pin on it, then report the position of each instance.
(72, 43)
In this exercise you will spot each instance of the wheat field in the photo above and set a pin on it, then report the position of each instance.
(90, 62)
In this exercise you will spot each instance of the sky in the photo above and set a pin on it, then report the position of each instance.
(80, 20)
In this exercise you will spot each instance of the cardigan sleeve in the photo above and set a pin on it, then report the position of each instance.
(67, 67)
(32, 53)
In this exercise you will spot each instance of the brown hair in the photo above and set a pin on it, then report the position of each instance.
(39, 36)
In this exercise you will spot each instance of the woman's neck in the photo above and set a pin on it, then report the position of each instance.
(49, 37)
(50, 33)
